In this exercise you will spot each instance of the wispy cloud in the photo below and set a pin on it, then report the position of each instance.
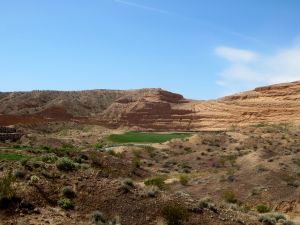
(140, 6)
(248, 69)
(235, 55)
(245, 37)
(202, 22)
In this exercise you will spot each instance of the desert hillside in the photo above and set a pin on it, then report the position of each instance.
(153, 109)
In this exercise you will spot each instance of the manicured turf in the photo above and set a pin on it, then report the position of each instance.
(142, 137)
(13, 157)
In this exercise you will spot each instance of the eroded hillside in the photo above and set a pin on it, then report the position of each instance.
(153, 109)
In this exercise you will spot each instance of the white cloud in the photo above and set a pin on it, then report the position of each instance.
(248, 69)
(236, 55)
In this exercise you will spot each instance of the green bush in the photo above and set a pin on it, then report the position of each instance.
(262, 208)
(65, 164)
(174, 214)
(158, 181)
(65, 203)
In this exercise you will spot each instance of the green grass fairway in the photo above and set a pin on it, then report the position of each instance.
(13, 157)
(142, 137)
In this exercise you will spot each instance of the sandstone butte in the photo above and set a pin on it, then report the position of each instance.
(153, 109)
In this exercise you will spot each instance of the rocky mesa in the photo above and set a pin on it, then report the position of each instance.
(153, 109)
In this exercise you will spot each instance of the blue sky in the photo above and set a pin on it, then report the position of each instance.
(201, 49)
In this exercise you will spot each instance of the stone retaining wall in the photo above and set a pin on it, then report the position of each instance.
(9, 134)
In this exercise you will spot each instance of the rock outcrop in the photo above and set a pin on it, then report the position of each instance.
(154, 109)
(271, 104)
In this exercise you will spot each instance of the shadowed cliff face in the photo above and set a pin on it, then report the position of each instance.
(154, 109)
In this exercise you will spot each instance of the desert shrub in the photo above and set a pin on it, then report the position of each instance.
(96, 159)
(126, 185)
(20, 174)
(174, 213)
(205, 203)
(231, 159)
(261, 168)
(68, 192)
(273, 218)
(34, 179)
(65, 203)
(151, 151)
(52, 157)
(256, 191)
(229, 197)
(296, 161)
(7, 190)
(78, 160)
(151, 191)
(262, 208)
(99, 145)
(291, 181)
(244, 208)
(137, 153)
(115, 221)
(277, 216)
(97, 218)
(135, 164)
(46, 148)
(65, 164)
(67, 146)
(288, 222)
(115, 154)
(267, 220)
(184, 179)
(24, 162)
(158, 181)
